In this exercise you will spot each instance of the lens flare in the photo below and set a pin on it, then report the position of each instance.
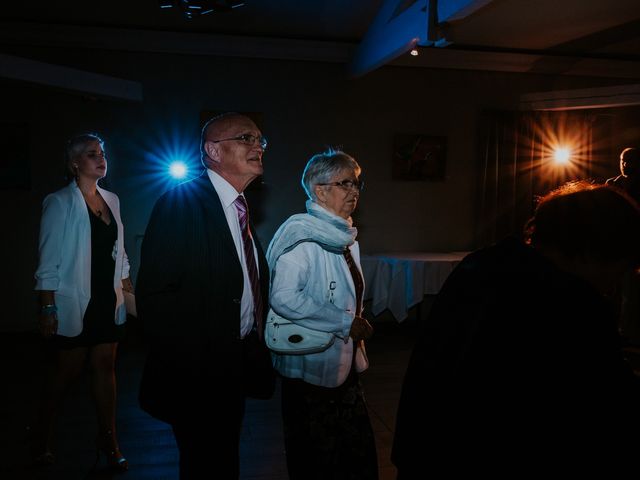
(562, 155)
(178, 169)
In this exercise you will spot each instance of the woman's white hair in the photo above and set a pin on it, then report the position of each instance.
(324, 166)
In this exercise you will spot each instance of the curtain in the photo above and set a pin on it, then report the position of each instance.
(517, 165)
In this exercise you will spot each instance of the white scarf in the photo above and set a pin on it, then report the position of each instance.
(331, 232)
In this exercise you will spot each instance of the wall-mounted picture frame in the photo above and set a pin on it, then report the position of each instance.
(419, 157)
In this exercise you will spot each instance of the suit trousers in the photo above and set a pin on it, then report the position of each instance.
(210, 445)
(210, 441)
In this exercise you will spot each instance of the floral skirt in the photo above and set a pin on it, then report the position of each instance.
(327, 431)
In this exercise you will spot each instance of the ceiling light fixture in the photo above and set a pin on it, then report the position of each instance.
(197, 8)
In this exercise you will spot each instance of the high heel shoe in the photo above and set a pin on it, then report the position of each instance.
(41, 455)
(106, 443)
(45, 459)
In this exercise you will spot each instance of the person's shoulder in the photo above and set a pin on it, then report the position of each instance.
(68, 189)
(293, 225)
(64, 193)
(185, 192)
(303, 253)
(297, 220)
(504, 258)
(617, 181)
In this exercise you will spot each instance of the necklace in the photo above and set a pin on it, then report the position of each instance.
(96, 210)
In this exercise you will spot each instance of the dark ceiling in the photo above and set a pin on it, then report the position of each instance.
(576, 37)
(335, 20)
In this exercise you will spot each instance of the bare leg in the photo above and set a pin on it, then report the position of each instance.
(66, 368)
(103, 359)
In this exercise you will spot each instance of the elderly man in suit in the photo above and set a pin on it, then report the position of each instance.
(201, 296)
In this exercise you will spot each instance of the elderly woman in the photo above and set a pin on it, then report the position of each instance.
(317, 283)
(82, 271)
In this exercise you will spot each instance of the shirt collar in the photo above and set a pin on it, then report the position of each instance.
(225, 191)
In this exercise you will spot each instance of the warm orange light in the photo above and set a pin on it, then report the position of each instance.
(562, 155)
(547, 133)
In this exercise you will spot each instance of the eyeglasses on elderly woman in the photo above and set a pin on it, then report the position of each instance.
(346, 184)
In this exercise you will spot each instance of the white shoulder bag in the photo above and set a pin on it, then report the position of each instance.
(287, 337)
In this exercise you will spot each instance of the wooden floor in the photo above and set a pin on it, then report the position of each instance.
(147, 443)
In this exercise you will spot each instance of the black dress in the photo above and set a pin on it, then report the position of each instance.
(98, 324)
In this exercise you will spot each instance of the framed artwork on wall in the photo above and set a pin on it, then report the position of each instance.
(419, 157)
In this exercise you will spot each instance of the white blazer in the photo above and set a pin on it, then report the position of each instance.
(65, 256)
(314, 288)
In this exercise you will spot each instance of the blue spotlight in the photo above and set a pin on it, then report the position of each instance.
(178, 169)
(171, 156)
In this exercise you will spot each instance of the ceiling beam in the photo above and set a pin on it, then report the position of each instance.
(179, 43)
(396, 29)
(459, 59)
(452, 10)
(401, 25)
(602, 97)
(56, 37)
(72, 79)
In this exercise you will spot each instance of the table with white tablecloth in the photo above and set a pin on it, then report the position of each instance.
(398, 281)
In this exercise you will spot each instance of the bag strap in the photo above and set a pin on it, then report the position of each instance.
(324, 246)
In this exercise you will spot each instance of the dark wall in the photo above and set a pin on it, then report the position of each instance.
(305, 107)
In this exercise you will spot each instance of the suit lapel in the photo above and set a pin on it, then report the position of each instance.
(217, 227)
(215, 220)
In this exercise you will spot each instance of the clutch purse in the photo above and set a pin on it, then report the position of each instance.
(288, 338)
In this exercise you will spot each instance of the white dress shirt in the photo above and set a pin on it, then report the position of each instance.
(228, 195)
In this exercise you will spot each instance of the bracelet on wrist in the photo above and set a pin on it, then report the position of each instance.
(49, 309)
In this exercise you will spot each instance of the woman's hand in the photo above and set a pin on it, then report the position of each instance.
(361, 329)
(48, 324)
(48, 318)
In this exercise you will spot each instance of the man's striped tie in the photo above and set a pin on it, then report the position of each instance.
(243, 216)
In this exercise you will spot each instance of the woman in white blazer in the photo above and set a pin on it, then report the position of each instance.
(317, 282)
(82, 271)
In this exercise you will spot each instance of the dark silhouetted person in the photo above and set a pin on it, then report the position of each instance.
(629, 294)
(520, 361)
(629, 178)
(201, 292)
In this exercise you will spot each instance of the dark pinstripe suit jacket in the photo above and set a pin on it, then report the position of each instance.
(188, 299)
